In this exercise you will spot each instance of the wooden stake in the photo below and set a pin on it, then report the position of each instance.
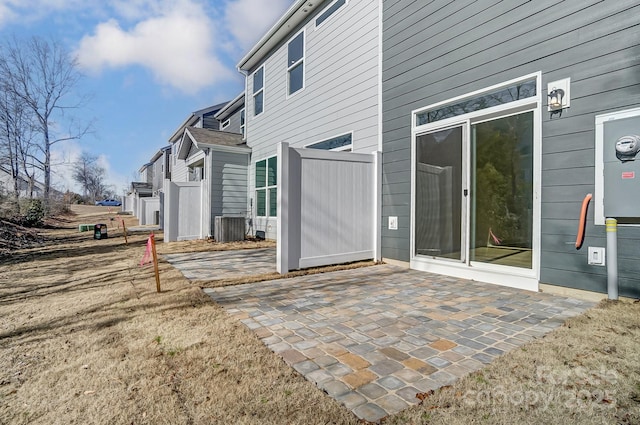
(155, 261)
(124, 232)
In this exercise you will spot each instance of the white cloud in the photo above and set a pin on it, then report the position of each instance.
(6, 14)
(29, 11)
(177, 47)
(185, 44)
(248, 20)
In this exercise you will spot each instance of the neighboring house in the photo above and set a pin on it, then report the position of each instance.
(232, 116)
(208, 173)
(203, 118)
(313, 82)
(216, 188)
(480, 179)
(138, 191)
(25, 190)
(150, 209)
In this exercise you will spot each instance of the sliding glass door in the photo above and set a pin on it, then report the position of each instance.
(439, 205)
(502, 191)
(474, 192)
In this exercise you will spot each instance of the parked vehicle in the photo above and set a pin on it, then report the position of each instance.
(109, 203)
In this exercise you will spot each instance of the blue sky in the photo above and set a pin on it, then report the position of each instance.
(147, 65)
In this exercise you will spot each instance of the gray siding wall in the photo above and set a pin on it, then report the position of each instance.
(234, 121)
(340, 92)
(158, 174)
(208, 121)
(179, 170)
(444, 49)
(228, 185)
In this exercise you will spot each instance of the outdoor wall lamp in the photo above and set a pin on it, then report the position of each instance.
(558, 94)
(555, 98)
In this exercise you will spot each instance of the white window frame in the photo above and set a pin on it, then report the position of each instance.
(341, 148)
(328, 18)
(256, 93)
(243, 123)
(225, 124)
(501, 275)
(267, 188)
(296, 63)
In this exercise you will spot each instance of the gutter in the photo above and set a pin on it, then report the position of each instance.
(296, 14)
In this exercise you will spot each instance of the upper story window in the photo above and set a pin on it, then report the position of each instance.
(338, 143)
(258, 91)
(295, 63)
(329, 11)
(225, 124)
(242, 123)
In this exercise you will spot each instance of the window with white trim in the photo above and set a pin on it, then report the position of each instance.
(242, 123)
(267, 187)
(258, 91)
(341, 143)
(295, 64)
(225, 124)
(329, 11)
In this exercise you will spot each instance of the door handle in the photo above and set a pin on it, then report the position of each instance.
(465, 192)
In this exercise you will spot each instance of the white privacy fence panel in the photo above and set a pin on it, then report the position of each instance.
(328, 207)
(149, 210)
(183, 211)
(127, 203)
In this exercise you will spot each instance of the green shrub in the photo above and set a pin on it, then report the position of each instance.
(35, 213)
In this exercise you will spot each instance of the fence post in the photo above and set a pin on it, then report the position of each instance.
(283, 247)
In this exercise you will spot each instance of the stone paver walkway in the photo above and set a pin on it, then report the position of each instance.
(224, 264)
(375, 337)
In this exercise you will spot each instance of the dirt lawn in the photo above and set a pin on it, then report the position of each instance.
(85, 339)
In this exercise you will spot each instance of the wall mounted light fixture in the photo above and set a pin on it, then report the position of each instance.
(558, 94)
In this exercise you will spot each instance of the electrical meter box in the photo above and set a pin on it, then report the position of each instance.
(618, 166)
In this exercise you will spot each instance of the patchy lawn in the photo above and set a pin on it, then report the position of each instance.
(85, 339)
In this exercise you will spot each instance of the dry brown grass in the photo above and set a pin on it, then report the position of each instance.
(586, 372)
(85, 339)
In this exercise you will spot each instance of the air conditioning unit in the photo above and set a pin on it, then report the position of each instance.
(229, 229)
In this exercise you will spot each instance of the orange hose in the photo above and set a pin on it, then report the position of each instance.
(583, 220)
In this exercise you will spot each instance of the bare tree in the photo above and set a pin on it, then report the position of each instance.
(44, 76)
(90, 176)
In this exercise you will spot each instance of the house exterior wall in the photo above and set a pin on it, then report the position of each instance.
(445, 49)
(158, 174)
(146, 175)
(228, 185)
(234, 121)
(209, 121)
(340, 94)
(179, 169)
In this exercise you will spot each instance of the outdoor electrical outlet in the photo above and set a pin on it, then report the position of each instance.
(393, 223)
(596, 256)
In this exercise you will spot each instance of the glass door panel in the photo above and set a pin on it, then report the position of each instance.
(438, 194)
(502, 191)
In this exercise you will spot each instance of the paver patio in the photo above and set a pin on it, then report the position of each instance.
(224, 264)
(374, 337)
